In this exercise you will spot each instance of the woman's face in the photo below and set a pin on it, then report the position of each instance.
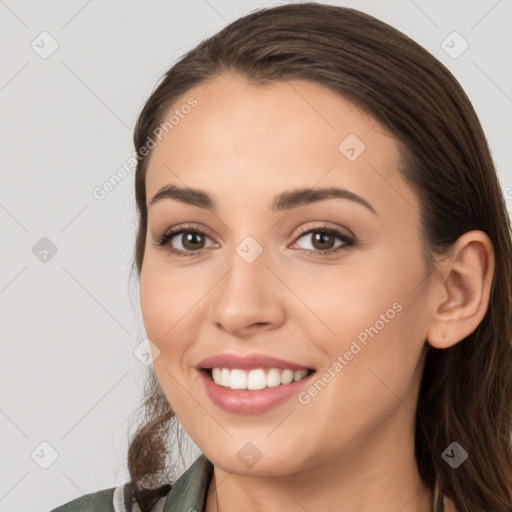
(258, 280)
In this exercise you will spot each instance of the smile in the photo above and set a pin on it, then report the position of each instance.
(243, 400)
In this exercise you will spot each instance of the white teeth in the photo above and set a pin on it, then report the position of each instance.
(287, 376)
(256, 379)
(225, 377)
(238, 379)
(273, 378)
(298, 375)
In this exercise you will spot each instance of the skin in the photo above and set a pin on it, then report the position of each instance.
(351, 447)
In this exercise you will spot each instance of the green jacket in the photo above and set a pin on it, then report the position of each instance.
(188, 494)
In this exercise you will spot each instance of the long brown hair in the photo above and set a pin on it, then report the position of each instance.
(466, 390)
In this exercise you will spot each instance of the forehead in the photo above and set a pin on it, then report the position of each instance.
(271, 137)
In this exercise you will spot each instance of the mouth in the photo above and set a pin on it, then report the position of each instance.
(255, 379)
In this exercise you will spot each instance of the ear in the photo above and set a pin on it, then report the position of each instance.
(461, 296)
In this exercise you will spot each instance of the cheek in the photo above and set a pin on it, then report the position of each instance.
(163, 305)
(152, 301)
(166, 302)
(376, 320)
(367, 381)
(166, 298)
(347, 299)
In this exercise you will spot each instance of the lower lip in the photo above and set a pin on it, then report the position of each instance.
(242, 401)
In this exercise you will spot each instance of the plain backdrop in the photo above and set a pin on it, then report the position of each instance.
(74, 77)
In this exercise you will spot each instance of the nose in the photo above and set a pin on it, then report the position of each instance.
(249, 298)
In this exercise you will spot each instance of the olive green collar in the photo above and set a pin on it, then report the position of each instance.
(190, 490)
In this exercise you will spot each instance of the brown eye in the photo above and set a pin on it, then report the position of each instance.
(323, 240)
(191, 240)
(184, 241)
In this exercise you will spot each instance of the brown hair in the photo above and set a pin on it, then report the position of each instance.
(466, 390)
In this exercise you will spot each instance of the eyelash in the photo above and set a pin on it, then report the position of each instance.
(169, 235)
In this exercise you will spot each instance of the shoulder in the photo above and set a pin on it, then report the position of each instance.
(97, 501)
(114, 499)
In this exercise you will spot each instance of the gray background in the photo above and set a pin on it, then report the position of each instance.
(70, 322)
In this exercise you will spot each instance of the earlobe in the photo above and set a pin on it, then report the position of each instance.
(460, 297)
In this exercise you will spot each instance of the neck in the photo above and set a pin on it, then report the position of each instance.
(378, 472)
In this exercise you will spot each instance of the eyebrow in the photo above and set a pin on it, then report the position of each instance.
(284, 201)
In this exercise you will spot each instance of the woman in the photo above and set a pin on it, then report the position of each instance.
(324, 256)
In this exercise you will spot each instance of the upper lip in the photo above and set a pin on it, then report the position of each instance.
(248, 362)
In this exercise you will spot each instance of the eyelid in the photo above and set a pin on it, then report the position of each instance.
(187, 226)
(325, 225)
